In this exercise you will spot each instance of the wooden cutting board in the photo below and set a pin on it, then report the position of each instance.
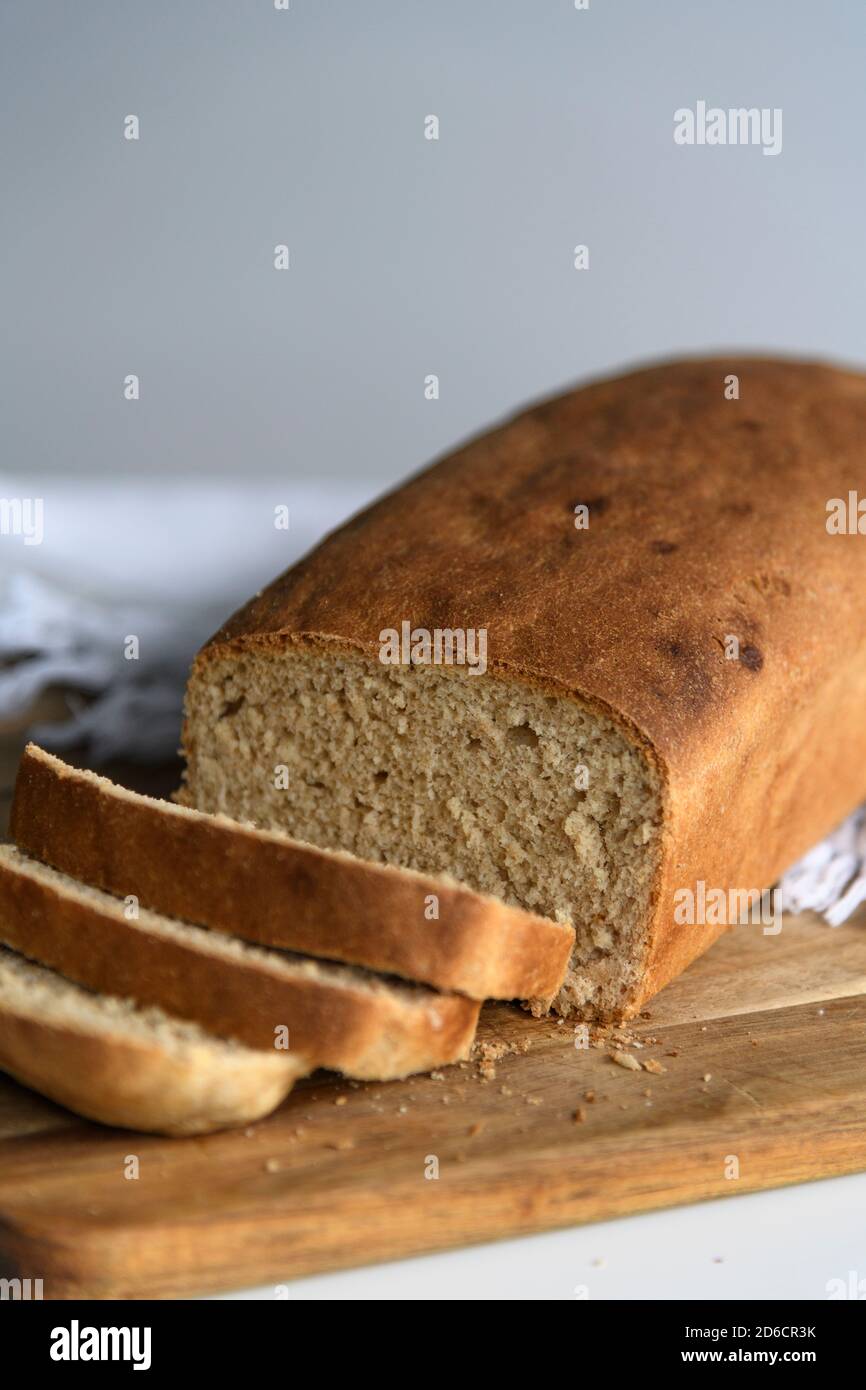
(763, 1043)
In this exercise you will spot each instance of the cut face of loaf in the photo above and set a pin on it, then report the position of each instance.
(531, 798)
(137, 1068)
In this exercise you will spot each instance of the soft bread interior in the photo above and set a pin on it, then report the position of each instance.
(527, 796)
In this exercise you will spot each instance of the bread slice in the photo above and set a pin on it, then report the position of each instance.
(329, 1015)
(212, 871)
(137, 1068)
(670, 697)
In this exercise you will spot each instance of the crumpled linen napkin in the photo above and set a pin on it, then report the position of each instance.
(831, 878)
(118, 707)
(164, 561)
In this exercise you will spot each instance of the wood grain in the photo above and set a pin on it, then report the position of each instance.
(778, 1024)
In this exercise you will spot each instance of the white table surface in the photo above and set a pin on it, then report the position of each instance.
(786, 1244)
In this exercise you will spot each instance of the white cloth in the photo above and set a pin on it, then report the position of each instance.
(120, 707)
(164, 562)
(831, 878)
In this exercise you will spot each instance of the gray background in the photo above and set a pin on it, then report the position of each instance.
(408, 256)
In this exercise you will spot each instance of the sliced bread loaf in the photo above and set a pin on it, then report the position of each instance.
(670, 688)
(267, 888)
(330, 1015)
(138, 1068)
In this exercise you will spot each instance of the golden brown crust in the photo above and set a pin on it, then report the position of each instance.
(708, 518)
(119, 1081)
(278, 892)
(374, 1033)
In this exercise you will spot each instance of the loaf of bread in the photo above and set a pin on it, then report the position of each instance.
(601, 656)
(267, 888)
(327, 1015)
(137, 1068)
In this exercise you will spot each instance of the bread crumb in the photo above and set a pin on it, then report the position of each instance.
(341, 1144)
(589, 1095)
(273, 1165)
(708, 1076)
(673, 1053)
(616, 1036)
(625, 1059)
(341, 1100)
(487, 1054)
(475, 1129)
(579, 1115)
(533, 1100)
(653, 1065)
